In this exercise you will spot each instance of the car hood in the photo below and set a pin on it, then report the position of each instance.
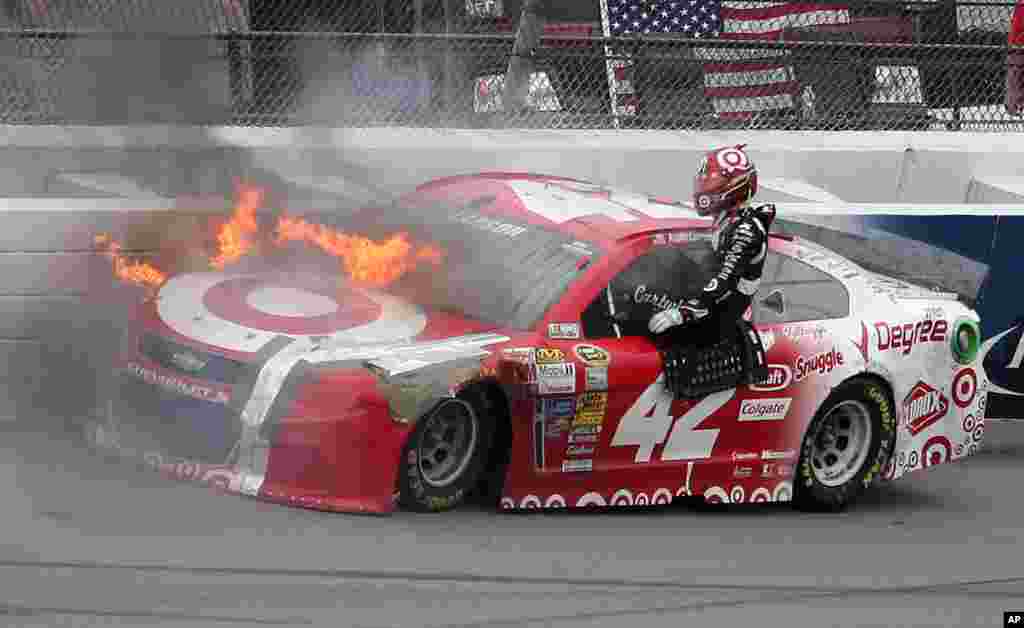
(258, 314)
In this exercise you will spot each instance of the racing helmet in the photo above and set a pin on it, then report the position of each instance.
(726, 180)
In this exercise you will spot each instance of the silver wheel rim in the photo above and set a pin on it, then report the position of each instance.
(447, 443)
(840, 443)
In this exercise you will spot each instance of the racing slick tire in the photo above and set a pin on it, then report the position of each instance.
(845, 447)
(445, 456)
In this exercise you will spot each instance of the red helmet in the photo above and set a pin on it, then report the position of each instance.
(726, 179)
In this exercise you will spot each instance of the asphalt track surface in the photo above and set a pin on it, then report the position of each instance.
(89, 542)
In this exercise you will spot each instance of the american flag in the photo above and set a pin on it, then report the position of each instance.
(739, 82)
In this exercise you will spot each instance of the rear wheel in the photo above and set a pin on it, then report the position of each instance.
(845, 447)
(445, 456)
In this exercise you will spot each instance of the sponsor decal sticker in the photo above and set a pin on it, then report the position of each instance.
(591, 408)
(905, 337)
(965, 387)
(597, 378)
(796, 332)
(556, 379)
(519, 354)
(739, 456)
(575, 437)
(579, 450)
(564, 331)
(764, 409)
(923, 406)
(591, 355)
(178, 385)
(560, 408)
(789, 454)
(585, 430)
(742, 472)
(776, 470)
(546, 355)
(821, 363)
(571, 466)
(780, 376)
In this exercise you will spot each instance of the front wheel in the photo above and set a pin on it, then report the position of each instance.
(444, 456)
(845, 447)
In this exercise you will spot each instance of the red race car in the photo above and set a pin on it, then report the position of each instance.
(514, 361)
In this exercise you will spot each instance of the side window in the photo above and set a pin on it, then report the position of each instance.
(792, 291)
(663, 277)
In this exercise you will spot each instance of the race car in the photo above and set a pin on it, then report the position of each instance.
(521, 369)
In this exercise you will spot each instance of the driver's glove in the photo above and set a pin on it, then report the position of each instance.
(676, 316)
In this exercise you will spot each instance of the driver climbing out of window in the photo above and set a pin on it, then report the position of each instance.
(724, 187)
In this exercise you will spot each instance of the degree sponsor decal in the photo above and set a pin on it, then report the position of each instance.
(820, 363)
(764, 409)
(546, 355)
(590, 409)
(780, 376)
(564, 331)
(592, 356)
(923, 406)
(904, 337)
(556, 379)
(596, 378)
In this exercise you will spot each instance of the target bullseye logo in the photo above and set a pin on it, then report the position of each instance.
(313, 311)
(244, 312)
(965, 386)
(937, 450)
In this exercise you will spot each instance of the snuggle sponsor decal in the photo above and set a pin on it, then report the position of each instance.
(819, 363)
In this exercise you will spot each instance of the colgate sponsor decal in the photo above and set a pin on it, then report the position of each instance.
(923, 406)
(904, 337)
(176, 384)
(820, 363)
(780, 376)
(764, 409)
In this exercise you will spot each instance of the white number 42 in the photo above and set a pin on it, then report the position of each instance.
(648, 421)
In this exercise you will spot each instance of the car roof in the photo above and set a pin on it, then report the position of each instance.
(586, 211)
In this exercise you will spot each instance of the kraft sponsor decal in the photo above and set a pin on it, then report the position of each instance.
(592, 356)
(904, 337)
(923, 406)
(176, 384)
(764, 409)
(820, 363)
(780, 376)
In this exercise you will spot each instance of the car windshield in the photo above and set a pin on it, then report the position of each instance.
(496, 269)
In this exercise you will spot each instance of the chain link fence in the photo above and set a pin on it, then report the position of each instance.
(655, 64)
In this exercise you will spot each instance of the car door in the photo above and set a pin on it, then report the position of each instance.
(629, 421)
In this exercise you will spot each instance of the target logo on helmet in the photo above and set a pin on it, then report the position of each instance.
(243, 312)
(732, 160)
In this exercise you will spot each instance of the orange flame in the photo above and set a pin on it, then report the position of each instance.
(364, 261)
(235, 236)
(142, 273)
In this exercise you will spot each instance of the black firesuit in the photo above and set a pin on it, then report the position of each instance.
(741, 247)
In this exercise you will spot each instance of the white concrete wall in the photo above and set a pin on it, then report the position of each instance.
(48, 274)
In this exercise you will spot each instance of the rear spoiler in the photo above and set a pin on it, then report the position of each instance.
(891, 255)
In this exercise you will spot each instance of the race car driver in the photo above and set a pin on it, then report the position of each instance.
(724, 187)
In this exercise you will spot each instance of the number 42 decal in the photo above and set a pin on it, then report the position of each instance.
(649, 421)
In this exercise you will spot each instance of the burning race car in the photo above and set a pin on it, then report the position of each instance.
(487, 336)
